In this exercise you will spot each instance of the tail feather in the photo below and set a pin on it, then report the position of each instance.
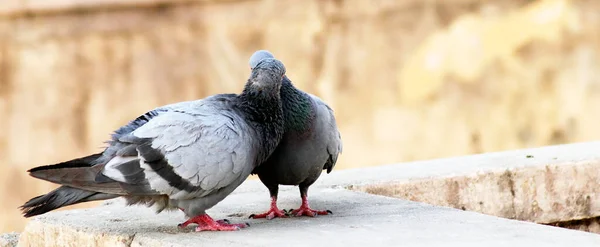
(60, 197)
(76, 170)
(86, 161)
(77, 178)
(82, 181)
(78, 173)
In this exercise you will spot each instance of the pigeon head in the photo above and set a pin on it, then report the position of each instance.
(259, 56)
(266, 76)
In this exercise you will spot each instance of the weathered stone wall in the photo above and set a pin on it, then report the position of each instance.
(408, 79)
(564, 193)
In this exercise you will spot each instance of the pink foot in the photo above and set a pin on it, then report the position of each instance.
(272, 213)
(206, 223)
(305, 210)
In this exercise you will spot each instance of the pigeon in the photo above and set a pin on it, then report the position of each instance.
(311, 143)
(188, 155)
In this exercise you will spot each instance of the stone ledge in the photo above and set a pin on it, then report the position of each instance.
(508, 183)
(359, 219)
(543, 185)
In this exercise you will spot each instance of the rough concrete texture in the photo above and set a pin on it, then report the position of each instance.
(9, 239)
(544, 185)
(494, 179)
(359, 219)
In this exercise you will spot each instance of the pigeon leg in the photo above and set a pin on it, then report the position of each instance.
(304, 208)
(206, 223)
(272, 213)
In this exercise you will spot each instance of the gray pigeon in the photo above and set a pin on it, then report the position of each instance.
(188, 155)
(311, 143)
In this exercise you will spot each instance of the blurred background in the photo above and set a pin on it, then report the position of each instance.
(408, 79)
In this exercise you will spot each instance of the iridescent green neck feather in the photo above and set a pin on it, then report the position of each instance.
(297, 107)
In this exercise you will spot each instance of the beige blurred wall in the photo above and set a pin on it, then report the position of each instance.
(408, 79)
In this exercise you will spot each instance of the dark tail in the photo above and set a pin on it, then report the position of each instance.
(86, 161)
(81, 170)
(63, 196)
(79, 184)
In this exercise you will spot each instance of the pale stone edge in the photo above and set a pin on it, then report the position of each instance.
(523, 194)
(37, 232)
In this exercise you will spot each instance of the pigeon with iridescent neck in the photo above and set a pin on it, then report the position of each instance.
(311, 143)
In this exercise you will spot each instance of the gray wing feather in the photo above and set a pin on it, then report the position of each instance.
(334, 140)
(205, 144)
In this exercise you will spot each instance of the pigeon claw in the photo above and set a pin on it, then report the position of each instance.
(306, 211)
(218, 228)
(224, 221)
(221, 226)
(206, 223)
(272, 213)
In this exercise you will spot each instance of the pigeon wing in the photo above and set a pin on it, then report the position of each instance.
(187, 152)
(334, 138)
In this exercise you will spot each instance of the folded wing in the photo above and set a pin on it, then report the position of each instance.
(183, 152)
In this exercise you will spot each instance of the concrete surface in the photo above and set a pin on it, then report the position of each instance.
(496, 180)
(359, 219)
(543, 185)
